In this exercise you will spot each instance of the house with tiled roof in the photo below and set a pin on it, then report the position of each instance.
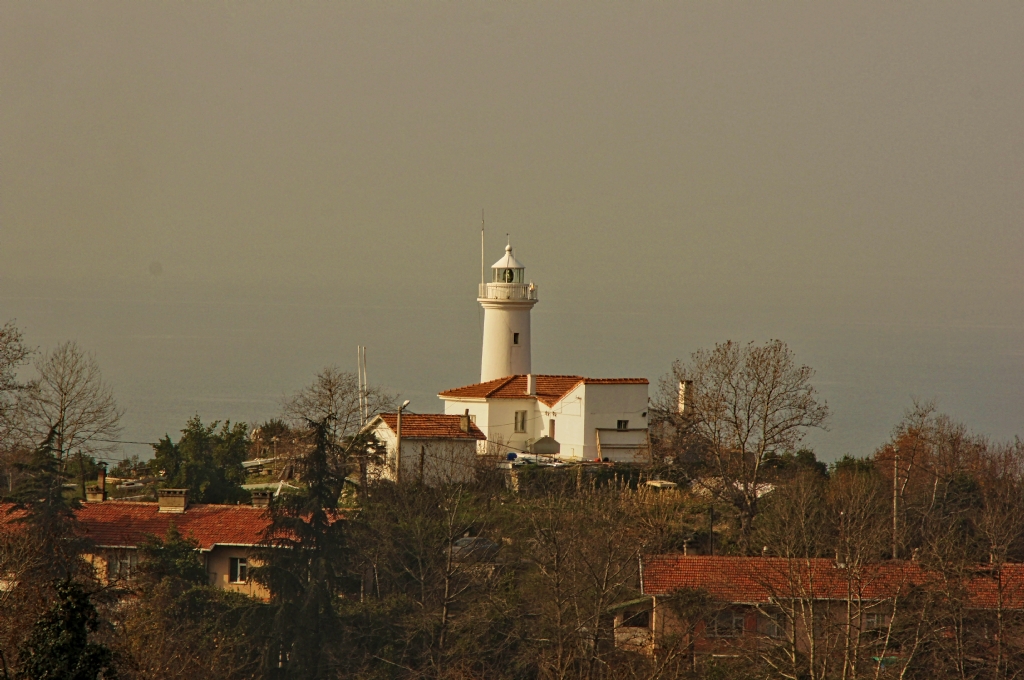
(435, 448)
(767, 601)
(569, 417)
(225, 534)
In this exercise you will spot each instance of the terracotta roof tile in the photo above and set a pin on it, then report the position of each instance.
(757, 580)
(124, 523)
(550, 388)
(431, 426)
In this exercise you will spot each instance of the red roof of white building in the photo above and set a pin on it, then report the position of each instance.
(550, 388)
(431, 426)
(760, 580)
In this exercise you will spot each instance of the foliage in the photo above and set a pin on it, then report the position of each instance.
(128, 468)
(172, 630)
(174, 557)
(300, 563)
(205, 460)
(59, 646)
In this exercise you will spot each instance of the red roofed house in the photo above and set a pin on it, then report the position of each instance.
(225, 534)
(769, 601)
(568, 416)
(436, 448)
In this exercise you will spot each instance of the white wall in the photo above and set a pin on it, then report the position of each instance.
(577, 416)
(501, 357)
(443, 460)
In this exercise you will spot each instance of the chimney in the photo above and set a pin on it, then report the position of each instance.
(464, 421)
(172, 500)
(261, 499)
(684, 387)
(101, 481)
(94, 494)
(531, 384)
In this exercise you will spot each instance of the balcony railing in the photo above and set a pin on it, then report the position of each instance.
(507, 291)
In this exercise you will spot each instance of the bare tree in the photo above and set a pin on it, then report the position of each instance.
(13, 355)
(70, 399)
(750, 403)
(333, 397)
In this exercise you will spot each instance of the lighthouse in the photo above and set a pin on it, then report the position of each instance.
(507, 301)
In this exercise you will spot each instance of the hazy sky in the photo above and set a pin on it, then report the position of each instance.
(219, 199)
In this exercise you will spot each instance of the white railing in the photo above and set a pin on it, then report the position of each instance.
(507, 291)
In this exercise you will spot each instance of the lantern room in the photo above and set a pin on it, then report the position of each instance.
(507, 269)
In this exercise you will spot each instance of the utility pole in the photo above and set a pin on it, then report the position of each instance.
(895, 499)
(398, 445)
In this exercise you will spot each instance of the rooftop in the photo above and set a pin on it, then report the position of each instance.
(759, 580)
(550, 388)
(128, 523)
(430, 426)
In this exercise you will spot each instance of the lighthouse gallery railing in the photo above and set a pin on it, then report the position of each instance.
(507, 291)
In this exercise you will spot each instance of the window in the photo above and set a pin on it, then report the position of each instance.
(633, 618)
(551, 428)
(520, 421)
(874, 621)
(122, 564)
(239, 570)
(773, 625)
(515, 338)
(622, 425)
(727, 623)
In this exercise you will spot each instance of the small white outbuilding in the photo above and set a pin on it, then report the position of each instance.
(436, 448)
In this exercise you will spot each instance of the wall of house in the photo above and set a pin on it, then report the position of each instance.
(218, 568)
(443, 460)
(757, 629)
(217, 563)
(577, 416)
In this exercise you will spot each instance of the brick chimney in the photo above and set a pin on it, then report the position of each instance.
(531, 384)
(464, 421)
(98, 492)
(261, 499)
(172, 500)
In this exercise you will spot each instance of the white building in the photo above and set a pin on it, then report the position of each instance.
(568, 416)
(436, 448)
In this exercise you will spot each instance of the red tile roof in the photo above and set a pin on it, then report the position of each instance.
(124, 523)
(757, 580)
(431, 426)
(550, 388)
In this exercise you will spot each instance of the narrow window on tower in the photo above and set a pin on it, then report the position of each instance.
(520, 421)
(551, 428)
(515, 338)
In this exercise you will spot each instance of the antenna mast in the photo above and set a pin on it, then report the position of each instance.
(482, 281)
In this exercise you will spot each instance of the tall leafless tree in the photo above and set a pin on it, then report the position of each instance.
(13, 355)
(333, 397)
(71, 399)
(749, 403)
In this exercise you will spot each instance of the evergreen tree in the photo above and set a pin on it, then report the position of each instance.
(302, 560)
(58, 648)
(206, 460)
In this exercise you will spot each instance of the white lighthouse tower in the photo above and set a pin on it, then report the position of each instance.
(507, 301)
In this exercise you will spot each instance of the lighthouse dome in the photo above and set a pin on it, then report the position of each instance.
(508, 260)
